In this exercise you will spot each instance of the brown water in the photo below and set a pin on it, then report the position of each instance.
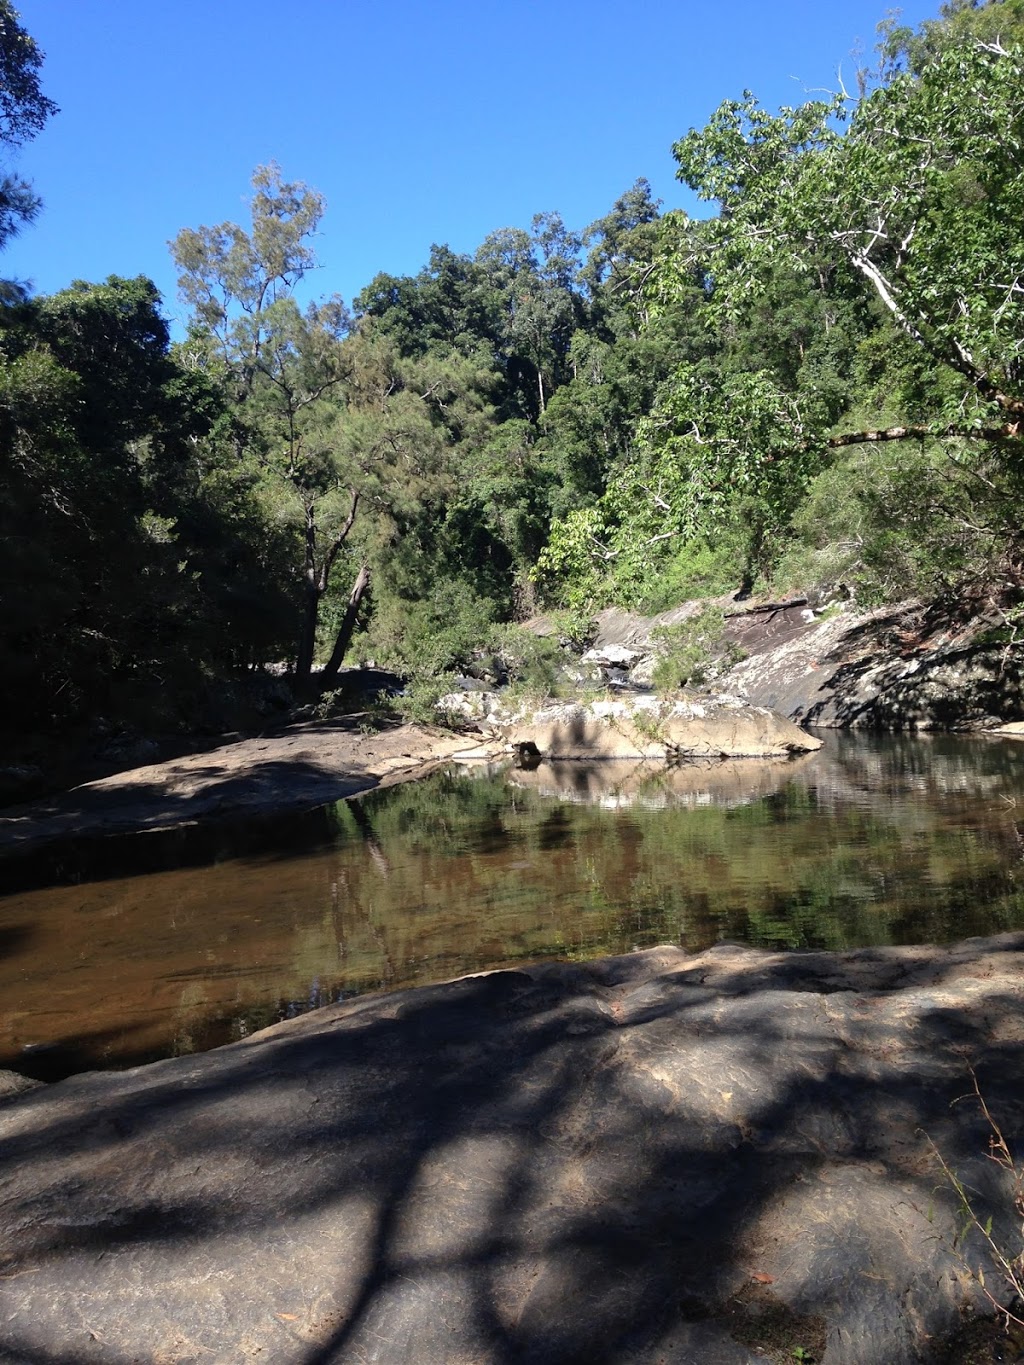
(871, 841)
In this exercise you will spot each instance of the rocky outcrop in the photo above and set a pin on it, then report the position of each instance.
(904, 667)
(899, 668)
(647, 727)
(726, 1158)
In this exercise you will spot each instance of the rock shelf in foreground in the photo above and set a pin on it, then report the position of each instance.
(662, 1157)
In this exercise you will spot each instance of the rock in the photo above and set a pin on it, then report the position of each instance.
(824, 662)
(642, 673)
(647, 727)
(12, 1085)
(1013, 728)
(471, 703)
(470, 684)
(660, 1157)
(611, 656)
(299, 768)
(897, 668)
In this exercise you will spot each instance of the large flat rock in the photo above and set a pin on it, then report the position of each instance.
(644, 727)
(304, 766)
(718, 1158)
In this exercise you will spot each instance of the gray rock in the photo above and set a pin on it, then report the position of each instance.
(611, 656)
(717, 1158)
(903, 666)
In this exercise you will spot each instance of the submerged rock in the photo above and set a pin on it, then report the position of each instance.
(720, 1158)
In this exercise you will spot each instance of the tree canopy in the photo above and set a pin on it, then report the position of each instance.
(820, 383)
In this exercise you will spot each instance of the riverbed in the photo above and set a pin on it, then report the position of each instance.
(151, 946)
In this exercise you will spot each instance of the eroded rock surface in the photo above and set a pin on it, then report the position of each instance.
(717, 1158)
(901, 667)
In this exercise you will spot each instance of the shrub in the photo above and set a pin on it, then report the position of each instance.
(694, 652)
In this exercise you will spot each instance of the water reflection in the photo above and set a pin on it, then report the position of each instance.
(869, 841)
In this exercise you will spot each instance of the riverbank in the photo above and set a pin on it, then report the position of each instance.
(303, 766)
(726, 1157)
(316, 762)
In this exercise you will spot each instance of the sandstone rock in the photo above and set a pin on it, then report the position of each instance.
(717, 1158)
(611, 656)
(302, 767)
(647, 727)
(1013, 728)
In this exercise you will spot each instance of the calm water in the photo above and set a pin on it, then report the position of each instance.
(871, 841)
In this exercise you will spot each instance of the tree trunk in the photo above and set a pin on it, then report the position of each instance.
(312, 593)
(307, 639)
(348, 624)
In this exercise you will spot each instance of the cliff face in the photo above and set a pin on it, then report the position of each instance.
(905, 667)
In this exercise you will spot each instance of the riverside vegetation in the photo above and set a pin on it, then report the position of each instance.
(821, 383)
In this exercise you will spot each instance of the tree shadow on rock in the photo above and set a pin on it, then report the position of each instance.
(564, 1165)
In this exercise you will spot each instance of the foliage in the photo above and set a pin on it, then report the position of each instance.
(124, 552)
(694, 652)
(24, 110)
(823, 383)
(916, 197)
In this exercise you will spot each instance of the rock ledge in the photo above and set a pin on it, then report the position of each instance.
(659, 1157)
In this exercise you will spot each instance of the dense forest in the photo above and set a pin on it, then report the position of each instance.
(817, 387)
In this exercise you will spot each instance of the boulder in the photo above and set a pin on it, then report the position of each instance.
(728, 1158)
(648, 727)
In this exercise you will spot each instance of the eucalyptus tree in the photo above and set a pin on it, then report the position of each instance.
(283, 370)
(348, 428)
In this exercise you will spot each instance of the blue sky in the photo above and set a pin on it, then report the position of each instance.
(419, 122)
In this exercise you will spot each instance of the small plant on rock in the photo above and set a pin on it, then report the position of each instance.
(694, 652)
(1006, 1263)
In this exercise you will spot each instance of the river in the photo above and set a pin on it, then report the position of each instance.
(150, 946)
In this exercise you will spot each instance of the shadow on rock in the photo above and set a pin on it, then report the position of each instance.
(659, 1157)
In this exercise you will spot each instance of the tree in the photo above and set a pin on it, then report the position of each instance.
(920, 197)
(347, 436)
(24, 110)
(913, 191)
(282, 369)
(118, 542)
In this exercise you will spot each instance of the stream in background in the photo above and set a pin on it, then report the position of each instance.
(873, 840)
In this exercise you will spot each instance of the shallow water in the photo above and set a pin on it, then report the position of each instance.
(871, 841)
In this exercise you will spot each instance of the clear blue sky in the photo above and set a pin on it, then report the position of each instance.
(420, 122)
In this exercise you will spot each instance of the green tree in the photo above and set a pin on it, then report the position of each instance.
(282, 370)
(910, 191)
(106, 526)
(917, 196)
(24, 110)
